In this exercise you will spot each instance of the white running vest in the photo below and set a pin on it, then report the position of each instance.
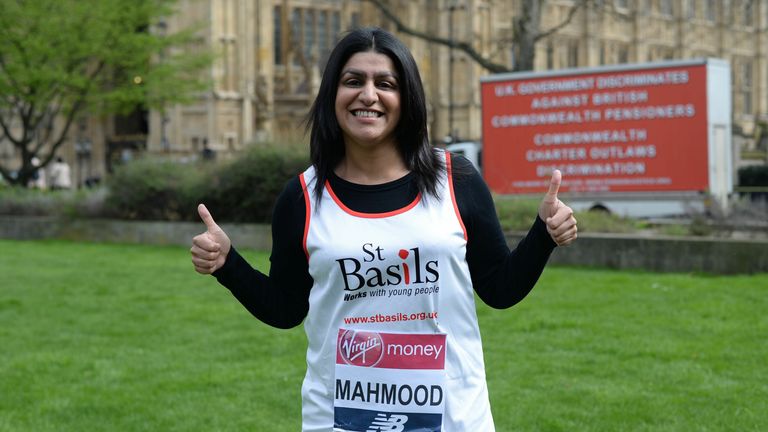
(393, 340)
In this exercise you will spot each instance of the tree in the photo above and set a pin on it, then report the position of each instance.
(526, 33)
(61, 59)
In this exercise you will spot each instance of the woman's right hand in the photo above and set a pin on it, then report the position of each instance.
(209, 249)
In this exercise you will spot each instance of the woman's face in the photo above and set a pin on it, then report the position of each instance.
(368, 100)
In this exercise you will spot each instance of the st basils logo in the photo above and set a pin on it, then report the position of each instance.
(375, 270)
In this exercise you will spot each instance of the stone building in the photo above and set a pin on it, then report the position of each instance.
(270, 55)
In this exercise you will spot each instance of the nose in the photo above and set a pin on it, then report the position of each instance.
(368, 94)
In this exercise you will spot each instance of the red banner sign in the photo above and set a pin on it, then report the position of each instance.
(613, 131)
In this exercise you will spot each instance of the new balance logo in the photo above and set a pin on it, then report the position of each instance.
(392, 423)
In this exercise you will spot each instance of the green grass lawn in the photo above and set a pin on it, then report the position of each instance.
(128, 338)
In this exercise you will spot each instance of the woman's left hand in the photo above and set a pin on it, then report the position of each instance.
(561, 224)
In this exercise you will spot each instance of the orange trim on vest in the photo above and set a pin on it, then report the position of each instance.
(307, 213)
(370, 215)
(453, 195)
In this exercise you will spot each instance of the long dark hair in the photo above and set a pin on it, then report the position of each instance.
(326, 139)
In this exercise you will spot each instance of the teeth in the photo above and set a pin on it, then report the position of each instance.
(369, 114)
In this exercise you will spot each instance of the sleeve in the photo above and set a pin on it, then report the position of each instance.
(280, 299)
(500, 276)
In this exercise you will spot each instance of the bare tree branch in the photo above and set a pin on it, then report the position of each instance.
(571, 13)
(6, 127)
(69, 120)
(462, 46)
(48, 121)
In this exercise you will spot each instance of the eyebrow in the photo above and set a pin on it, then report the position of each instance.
(358, 72)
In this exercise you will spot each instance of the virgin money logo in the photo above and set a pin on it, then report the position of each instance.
(361, 348)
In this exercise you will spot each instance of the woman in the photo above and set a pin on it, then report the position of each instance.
(377, 247)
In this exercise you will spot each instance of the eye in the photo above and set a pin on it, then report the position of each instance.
(387, 85)
(351, 82)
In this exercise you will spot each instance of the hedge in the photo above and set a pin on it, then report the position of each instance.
(246, 189)
(756, 175)
(242, 189)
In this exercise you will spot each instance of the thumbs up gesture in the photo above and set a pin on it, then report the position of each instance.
(209, 249)
(561, 224)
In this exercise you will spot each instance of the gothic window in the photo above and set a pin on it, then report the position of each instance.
(335, 26)
(295, 36)
(323, 41)
(622, 53)
(745, 85)
(550, 55)
(311, 34)
(710, 10)
(690, 9)
(568, 53)
(601, 60)
(747, 13)
(230, 67)
(644, 7)
(573, 53)
(665, 7)
(276, 36)
(727, 12)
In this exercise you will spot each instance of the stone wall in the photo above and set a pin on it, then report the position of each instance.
(664, 254)
(659, 254)
(119, 231)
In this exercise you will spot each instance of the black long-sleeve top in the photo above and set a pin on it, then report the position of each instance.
(500, 276)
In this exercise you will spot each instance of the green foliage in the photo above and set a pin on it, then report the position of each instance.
(91, 51)
(516, 214)
(64, 203)
(150, 189)
(699, 226)
(756, 175)
(33, 202)
(595, 221)
(62, 58)
(243, 189)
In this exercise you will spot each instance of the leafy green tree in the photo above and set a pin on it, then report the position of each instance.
(60, 59)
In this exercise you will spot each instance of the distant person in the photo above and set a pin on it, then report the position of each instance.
(379, 248)
(60, 177)
(38, 180)
(208, 153)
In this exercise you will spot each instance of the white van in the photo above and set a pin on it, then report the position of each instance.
(471, 150)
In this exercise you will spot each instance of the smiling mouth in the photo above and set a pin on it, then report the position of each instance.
(366, 114)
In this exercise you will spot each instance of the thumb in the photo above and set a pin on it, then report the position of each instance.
(554, 184)
(205, 215)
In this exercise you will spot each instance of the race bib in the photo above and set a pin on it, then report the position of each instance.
(389, 382)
